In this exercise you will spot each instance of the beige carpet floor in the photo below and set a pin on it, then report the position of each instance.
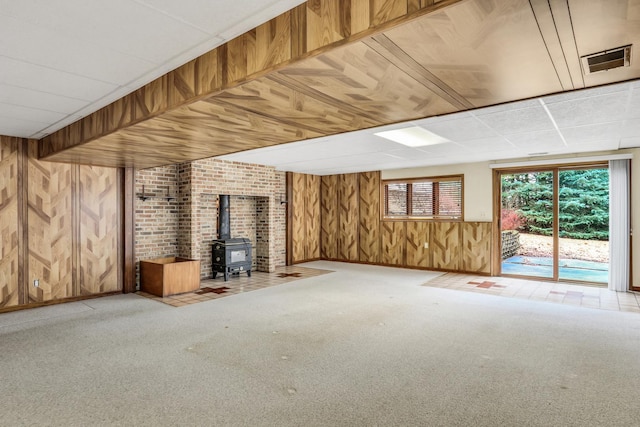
(363, 346)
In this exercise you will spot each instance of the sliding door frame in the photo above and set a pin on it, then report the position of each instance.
(496, 265)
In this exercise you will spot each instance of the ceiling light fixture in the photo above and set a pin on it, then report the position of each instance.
(414, 136)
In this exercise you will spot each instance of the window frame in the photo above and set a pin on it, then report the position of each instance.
(409, 182)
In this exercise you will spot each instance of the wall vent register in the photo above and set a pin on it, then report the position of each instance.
(607, 60)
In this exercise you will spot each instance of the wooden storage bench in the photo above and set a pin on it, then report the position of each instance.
(169, 276)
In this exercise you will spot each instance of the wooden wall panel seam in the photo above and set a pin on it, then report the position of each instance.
(75, 221)
(23, 224)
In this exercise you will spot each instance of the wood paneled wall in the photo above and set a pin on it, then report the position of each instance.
(351, 229)
(369, 209)
(50, 210)
(329, 217)
(59, 224)
(305, 216)
(9, 238)
(99, 231)
(348, 214)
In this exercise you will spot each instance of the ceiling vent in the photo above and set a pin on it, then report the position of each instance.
(607, 60)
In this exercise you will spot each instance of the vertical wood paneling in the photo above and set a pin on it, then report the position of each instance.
(99, 230)
(128, 232)
(269, 44)
(446, 245)
(386, 10)
(312, 217)
(299, 30)
(236, 59)
(49, 217)
(150, 99)
(325, 23)
(418, 233)
(360, 15)
(8, 221)
(329, 217)
(299, 233)
(348, 216)
(182, 84)
(369, 198)
(476, 247)
(393, 242)
(23, 231)
(208, 72)
(118, 114)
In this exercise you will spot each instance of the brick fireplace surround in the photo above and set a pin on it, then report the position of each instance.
(179, 215)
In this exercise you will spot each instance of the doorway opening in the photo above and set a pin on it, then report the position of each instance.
(554, 223)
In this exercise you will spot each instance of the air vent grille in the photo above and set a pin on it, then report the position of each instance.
(607, 60)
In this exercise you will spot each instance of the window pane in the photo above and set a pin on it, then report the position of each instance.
(422, 198)
(396, 195)
(450, 198)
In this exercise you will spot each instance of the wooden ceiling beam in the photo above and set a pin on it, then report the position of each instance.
(305, 31)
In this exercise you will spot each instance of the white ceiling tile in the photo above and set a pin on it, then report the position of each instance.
(426, 122)
(443, 149)
(509, 106)
(42, 79)
(633, 110)
(592, 133)
(533, 140)
(41, 100)
(633, 142)
(462, 129)
(213, 19)
(631, 128)
(406, 154)
(79, 57)
(18, 127)
(596, 109)
(586, 93)
(517, 121)
(112, 26)
(30, 114)
(602, 145)
(496, 143)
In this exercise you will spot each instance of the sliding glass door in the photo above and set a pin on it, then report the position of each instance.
(583, 224)
(554, 223)
(526, 223)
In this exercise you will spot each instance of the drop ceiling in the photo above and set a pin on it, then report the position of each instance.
(590, 120)
(440, 71)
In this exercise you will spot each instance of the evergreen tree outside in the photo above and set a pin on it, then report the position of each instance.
(583, 202)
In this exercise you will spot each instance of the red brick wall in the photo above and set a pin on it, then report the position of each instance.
(156, 224)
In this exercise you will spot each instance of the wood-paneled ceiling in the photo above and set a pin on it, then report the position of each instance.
(329, 67)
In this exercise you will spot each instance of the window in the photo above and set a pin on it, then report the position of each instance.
(423, 198)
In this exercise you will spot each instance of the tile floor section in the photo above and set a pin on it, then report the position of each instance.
(217, 288)
(556, 292)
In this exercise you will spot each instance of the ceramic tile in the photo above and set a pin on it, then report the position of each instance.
(211, 289)
(560, 293)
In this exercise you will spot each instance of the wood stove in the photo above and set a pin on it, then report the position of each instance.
(229, 255)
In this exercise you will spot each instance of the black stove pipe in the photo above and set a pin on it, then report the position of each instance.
(224, 218)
